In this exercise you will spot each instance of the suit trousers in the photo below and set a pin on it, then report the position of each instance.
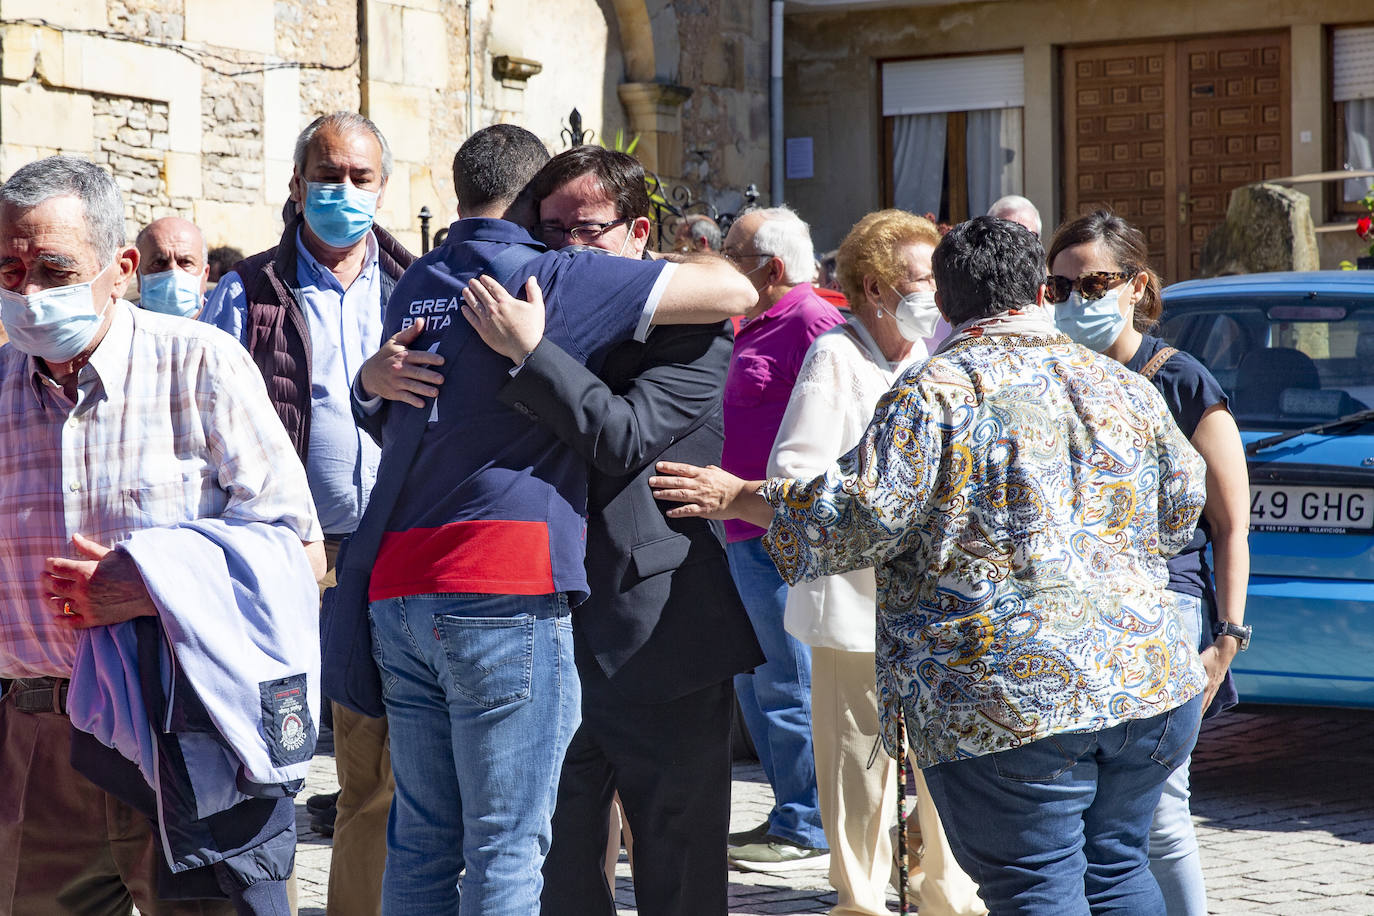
(66, 846)
(670, 763)
(857, 782)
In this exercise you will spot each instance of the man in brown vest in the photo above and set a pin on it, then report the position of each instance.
(310, 311)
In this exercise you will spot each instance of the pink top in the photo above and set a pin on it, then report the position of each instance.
(769, 350)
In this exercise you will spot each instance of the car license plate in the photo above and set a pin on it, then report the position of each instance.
(1327, 510)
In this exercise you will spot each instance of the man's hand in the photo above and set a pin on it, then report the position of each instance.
(103, 588)
(1216, 659)
(398, 373)
(512, 327)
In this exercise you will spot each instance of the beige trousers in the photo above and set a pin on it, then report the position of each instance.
(859, 799)
(67, 848)
(362, 758)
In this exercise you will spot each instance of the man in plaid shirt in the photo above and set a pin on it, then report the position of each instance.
(113, 421)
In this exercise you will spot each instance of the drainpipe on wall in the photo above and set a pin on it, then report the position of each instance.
(775, 170)
(472, 73)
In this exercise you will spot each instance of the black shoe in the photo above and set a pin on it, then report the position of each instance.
(745, 837)
(317, 803)
(322, 822)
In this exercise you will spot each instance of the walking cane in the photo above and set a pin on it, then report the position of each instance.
(902, 874)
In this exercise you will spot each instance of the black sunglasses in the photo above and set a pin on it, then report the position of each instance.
(1091, 285)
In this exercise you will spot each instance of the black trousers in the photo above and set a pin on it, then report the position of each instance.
(670, 762)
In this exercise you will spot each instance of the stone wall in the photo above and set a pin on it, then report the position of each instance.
(131, 139)
(231, 165)
(195, 104)
(724, 59)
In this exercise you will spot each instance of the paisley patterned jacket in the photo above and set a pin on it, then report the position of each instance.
(1018, 497)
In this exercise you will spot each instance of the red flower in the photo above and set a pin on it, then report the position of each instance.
(1363, 225)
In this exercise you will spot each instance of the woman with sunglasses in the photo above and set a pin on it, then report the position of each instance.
(1106, 297)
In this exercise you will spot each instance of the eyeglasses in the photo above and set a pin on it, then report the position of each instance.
(584, 234)
(1090, 286)
(734, 256)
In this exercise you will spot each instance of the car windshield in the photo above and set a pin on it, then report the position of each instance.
(1284, 364)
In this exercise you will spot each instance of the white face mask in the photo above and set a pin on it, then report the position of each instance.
(55, 324)
(916, 314)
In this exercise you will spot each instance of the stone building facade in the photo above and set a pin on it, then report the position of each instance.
(194, 104)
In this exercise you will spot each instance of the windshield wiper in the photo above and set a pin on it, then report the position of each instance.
(1360, 416)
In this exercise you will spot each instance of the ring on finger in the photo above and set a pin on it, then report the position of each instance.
(67, 610)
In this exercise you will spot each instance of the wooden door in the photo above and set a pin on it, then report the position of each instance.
(1119, 146)
(1162, 132)
(1233, 96)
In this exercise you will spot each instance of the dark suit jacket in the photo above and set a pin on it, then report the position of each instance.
(663, 618)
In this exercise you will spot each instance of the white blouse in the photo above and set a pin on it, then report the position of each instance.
(839, 384)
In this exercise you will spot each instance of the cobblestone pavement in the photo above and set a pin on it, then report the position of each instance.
(1283, 799)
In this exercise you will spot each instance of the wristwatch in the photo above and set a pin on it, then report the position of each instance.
(1240, 631)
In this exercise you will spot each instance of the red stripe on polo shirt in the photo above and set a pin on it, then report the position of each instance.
(483, 557)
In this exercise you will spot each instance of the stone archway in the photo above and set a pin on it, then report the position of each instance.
(653, 105)
(636, 40)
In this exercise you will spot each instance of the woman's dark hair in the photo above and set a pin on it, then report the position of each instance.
(1126, 244)
(986, 266)
(620, 176)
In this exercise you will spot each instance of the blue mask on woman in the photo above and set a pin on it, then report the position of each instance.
(339, 214)
(1094, 323)
(172, 292)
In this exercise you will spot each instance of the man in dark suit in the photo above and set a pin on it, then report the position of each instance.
(664, 631)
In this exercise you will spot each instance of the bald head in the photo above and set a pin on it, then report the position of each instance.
(1018, 209)
(167, 244)
(172, 242)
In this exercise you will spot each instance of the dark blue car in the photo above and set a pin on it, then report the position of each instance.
(1295, 352)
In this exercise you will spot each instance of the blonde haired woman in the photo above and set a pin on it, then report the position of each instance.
(884, 270)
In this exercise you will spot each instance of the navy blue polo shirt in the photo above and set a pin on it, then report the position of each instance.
(494, 503)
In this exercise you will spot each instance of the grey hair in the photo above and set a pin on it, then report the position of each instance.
(1014, 205)
(784, 235)
(701, 226)
(62, 176)
(341, 122)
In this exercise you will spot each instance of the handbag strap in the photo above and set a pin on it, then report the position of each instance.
(406, 432)
(1160, 358)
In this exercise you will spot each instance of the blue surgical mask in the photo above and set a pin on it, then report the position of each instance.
(56, 324)
(172, 292)
(1094, 323)
(339, 214)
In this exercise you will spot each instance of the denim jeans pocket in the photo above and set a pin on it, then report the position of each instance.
(389, 679)
(490, 659)
(1043, 760)
(1179, 734)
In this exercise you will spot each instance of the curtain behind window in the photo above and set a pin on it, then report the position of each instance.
(1359, 145)
(918, 162)
(994, 157)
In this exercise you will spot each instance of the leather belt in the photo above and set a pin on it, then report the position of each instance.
(39, 694)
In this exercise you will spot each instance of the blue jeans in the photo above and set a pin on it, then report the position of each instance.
(1061, 825)
(482, 698)
(776, 699)
(1174, 858)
